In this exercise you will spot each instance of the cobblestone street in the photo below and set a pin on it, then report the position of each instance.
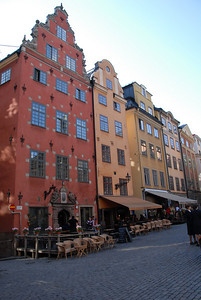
(160, 265)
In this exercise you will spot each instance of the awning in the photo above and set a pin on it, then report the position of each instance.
(131, 202)
(170, 196)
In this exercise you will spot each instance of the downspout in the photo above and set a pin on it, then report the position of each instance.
(183, 163)
(92, 81)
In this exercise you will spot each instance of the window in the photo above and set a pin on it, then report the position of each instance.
(109, 84)
(118, 128)
(149, 129)
(62, 167)
(171, 183)
(175, 129)
(102, 99)
(82, 171)
(182, 185)
(147, 176)
(150, 110)
(123, 187)
(185, 159)
(182, 140)
(162, 179)
(151, 151)
(61, 86)
(169, 126)
(158, 153)
(37, 164)
(177, 184)
(108, 69)
(106, 153)
(155, 177)
(169, 164)
(116, 106)
(187, 144)
(174, 162)
(144, 92)
(40, 76)
(141, 124)
(38, 114)
(172, 143)
(121, 157)
(189, 162)
(70, 63)
(142, 105)
(5, 76)
(51, 52)
(61, 122)
(143, 147)
(107, 185)
(177, 145)
(180, 164)
(104, 123)
(166, 140)
(80, 95)
(156, 133)
(163, 121)
(61, 33)
(81, 129)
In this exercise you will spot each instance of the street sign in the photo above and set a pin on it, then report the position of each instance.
(19, 207)
(12, 207)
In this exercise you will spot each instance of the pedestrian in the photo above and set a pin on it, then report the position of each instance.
(189, 222)
(197, 223)
(73, 223)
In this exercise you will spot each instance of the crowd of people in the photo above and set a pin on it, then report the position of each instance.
(193, 220)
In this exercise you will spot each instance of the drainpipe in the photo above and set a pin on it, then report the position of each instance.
(92, 81)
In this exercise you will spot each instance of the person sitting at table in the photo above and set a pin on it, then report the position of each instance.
(89, 223)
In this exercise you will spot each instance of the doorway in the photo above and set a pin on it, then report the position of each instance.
(63, 217)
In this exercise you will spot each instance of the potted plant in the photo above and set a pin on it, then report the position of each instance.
(37, 230)
(58, 230)
(49, 230)
(25, 230)
(15, 230)
(79, 228)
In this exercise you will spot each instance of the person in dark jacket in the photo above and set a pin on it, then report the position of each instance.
(197, 223)
(190, 226)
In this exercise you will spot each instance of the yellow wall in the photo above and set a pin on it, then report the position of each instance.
(135, 135)
(110, 138)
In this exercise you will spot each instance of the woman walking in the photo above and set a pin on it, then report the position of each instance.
(190, 226)
(197, 223)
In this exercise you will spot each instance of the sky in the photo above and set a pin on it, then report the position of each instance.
(156, 43)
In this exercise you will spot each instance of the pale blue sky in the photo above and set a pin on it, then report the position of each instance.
(154, 42)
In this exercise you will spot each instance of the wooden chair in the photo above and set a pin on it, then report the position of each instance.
(109, 241)
(153, 225)
(166, 223)
(60, 247)
(81, 246)
(69, 248)
(91, 246)
(148, 225)
(99, 242)
(145, 228)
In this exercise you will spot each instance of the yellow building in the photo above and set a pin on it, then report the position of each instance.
(174, 160)
(112, 153)
(114, 183)
(148, 162)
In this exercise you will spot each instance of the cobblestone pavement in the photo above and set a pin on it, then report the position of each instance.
(158, 266)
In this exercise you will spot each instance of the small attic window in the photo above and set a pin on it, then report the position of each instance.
(143, 90)
(108, 69)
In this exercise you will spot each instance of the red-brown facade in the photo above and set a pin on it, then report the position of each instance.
(46, 128)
